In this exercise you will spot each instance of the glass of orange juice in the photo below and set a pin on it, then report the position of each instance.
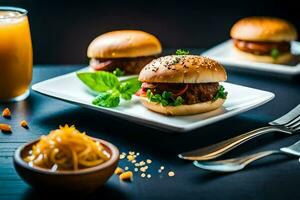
(15, 54)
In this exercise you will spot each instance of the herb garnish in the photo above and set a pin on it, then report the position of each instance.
(182, 52)
(108, 88)
(274, 53)
(165, 99)
(118, 72)
(220, 93)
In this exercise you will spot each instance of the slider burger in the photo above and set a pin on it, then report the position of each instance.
(182, 85)
(263, 39)
(127, 50)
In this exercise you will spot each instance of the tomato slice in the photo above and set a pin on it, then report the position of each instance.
(141, 92)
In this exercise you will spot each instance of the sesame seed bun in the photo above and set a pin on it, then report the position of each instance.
(283, 58)
(264, 29)
(124, 44)
(183, 69)
(182, 109)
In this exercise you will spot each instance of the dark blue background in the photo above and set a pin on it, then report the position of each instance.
(62, 30)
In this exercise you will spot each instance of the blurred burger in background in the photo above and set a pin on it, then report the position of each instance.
(263, 39)
(123, 51)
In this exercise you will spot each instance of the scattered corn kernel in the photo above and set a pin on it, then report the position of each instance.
(24, 124)
(130, 157)
(126, 176)
(143, 175)
(133, 161)
(170, 173)
(148, 161)
(131, 153)
(122, 156)
(143, 169)
(148, 175)
(6, 113)
(162, 167)
(142, 163)
(119, 171)
(5, 128)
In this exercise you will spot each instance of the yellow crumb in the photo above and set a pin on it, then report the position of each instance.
(130, 157)
(126, 176)
(119, 171)
(5, 128)
(6, 113)
(24, 124)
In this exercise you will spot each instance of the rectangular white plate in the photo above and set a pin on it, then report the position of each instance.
(240, 99)
(223, 53)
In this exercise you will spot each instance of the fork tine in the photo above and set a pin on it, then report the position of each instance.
(292, 122)
(288, 117)
(295, 126)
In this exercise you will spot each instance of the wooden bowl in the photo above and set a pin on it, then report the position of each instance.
(85, 180)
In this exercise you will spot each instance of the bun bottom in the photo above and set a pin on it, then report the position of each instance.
(282, 59)
(182, 109)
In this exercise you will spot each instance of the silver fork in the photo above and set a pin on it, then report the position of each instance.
(236, 164)
(288, 123)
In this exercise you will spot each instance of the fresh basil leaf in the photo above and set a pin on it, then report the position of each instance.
(275, 53)
(107, 99)
(118, 72)
(99, 81)
(130, 86)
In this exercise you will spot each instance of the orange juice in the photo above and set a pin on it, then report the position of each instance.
(15, 53)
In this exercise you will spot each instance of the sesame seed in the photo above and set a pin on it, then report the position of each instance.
(148, 175)
(136, 169)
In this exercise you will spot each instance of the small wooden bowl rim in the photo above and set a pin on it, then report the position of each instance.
(114, 158)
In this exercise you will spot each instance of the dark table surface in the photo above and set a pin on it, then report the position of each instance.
(276, 177)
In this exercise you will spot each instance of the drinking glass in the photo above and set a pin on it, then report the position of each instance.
(15, 54)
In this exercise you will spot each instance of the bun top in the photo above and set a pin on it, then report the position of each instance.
(124, 44)
(265, 29)
(183, 69)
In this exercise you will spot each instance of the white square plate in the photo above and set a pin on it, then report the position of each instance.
(223, 53)
(240, 99)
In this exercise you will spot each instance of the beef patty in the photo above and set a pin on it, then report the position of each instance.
(262, 48)
(191, 93)
(129, 65)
